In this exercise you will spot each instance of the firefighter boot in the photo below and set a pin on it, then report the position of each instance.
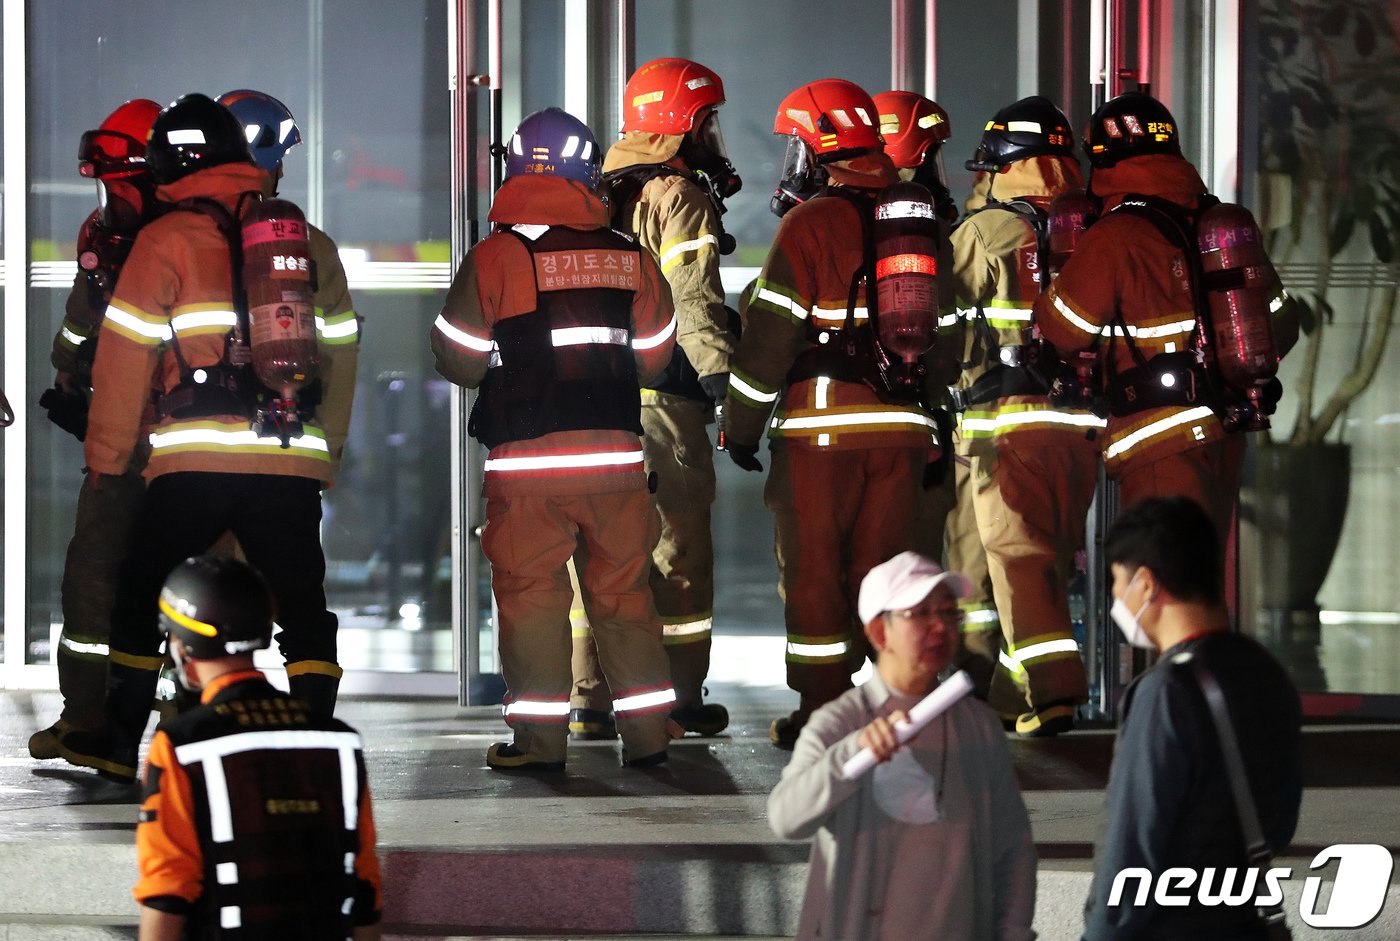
(43, 744)
(317, 690)
(112, 753)
(592, 725)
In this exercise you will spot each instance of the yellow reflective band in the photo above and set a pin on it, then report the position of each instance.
(463, 338)
(981, 616)
(185, 621)
(337, 328)
(1031, 652)
(585, 336)
(840, 419)
(318, 667)
(1152, 333)
(137, 662)
(1125, 444)
(642, 344)
(668, 256)
(702, 626)
(245, 440)
(538, 707)
(947, 320)
(838, 315)
(69, 336)
(749, 392)
(779, 301)
(1009, 662)
(138, 328)
(823, 388)
(651, 700)
(1039, 416)
(560, 461)
(1022, 314)
(1074, 319)
(203, 320)
(838, 649)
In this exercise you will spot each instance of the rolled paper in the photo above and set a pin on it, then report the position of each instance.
(925, 711)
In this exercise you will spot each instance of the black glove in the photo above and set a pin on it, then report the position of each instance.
(745, 455)
(716, 387)
(1268, 400)
(67, 410)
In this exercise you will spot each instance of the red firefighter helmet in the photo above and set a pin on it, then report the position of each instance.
(834, 117)
(665, 96)
(911, 124)
(117, 148)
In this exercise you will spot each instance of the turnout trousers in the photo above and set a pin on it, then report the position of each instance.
(837, 514)
(529, 540)
(678, 451)
(1031, 504)
(277, 522)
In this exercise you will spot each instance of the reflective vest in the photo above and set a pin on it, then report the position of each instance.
(277, 794)
(567, 365)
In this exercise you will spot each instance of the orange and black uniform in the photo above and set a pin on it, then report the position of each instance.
(1125, 267)
(210, 474)
(558, 319)
(256, 819)
(847, 464)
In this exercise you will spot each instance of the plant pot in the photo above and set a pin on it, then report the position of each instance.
(1298, 501)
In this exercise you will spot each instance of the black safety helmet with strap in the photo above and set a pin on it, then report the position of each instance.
(194, 133)
(1031, 127)
(1130, 125)
(217, 607)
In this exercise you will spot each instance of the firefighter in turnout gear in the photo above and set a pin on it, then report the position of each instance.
(667, 177)
(115, 156)
(1033, 462)
(915, 129)
(256, 819)
(176, 320)
(1130, 296)
(558, 320)
(847, 461)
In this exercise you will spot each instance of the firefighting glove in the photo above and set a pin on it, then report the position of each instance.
(716, 387)
(67, 410)
(745, 455)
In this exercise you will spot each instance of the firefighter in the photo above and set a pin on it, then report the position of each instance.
(1128, 296)
(272, 131)
(174, 320)
(1033, 462)
(558, 320)
(847, 463)
(256, 816)
(915, 129)
(114, 155)
(668, 176)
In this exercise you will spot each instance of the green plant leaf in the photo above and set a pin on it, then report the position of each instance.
(1380, 238)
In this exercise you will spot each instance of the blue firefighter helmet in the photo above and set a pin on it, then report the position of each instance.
(553, 142)
(268, 124)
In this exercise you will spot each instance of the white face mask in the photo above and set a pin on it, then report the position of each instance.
(1129, 623)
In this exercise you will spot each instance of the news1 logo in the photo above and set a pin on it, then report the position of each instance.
(1358, 890)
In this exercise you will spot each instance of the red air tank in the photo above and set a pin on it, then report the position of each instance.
(906, 269)
(1070, 214)
(1239, 282)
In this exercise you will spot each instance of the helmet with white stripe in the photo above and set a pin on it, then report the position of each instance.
(216, 607)
(268, 124)
(194, 133)
(553, 142)
(1031, 127)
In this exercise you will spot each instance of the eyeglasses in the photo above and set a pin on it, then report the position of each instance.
(950, 616)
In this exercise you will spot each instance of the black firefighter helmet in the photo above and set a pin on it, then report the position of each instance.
(194, 133)
(1130, 125)
(1031, 127)
(217, 607)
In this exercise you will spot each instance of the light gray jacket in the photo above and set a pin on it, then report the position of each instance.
(970, 876)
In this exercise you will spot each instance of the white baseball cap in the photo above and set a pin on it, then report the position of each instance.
(904, 581)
